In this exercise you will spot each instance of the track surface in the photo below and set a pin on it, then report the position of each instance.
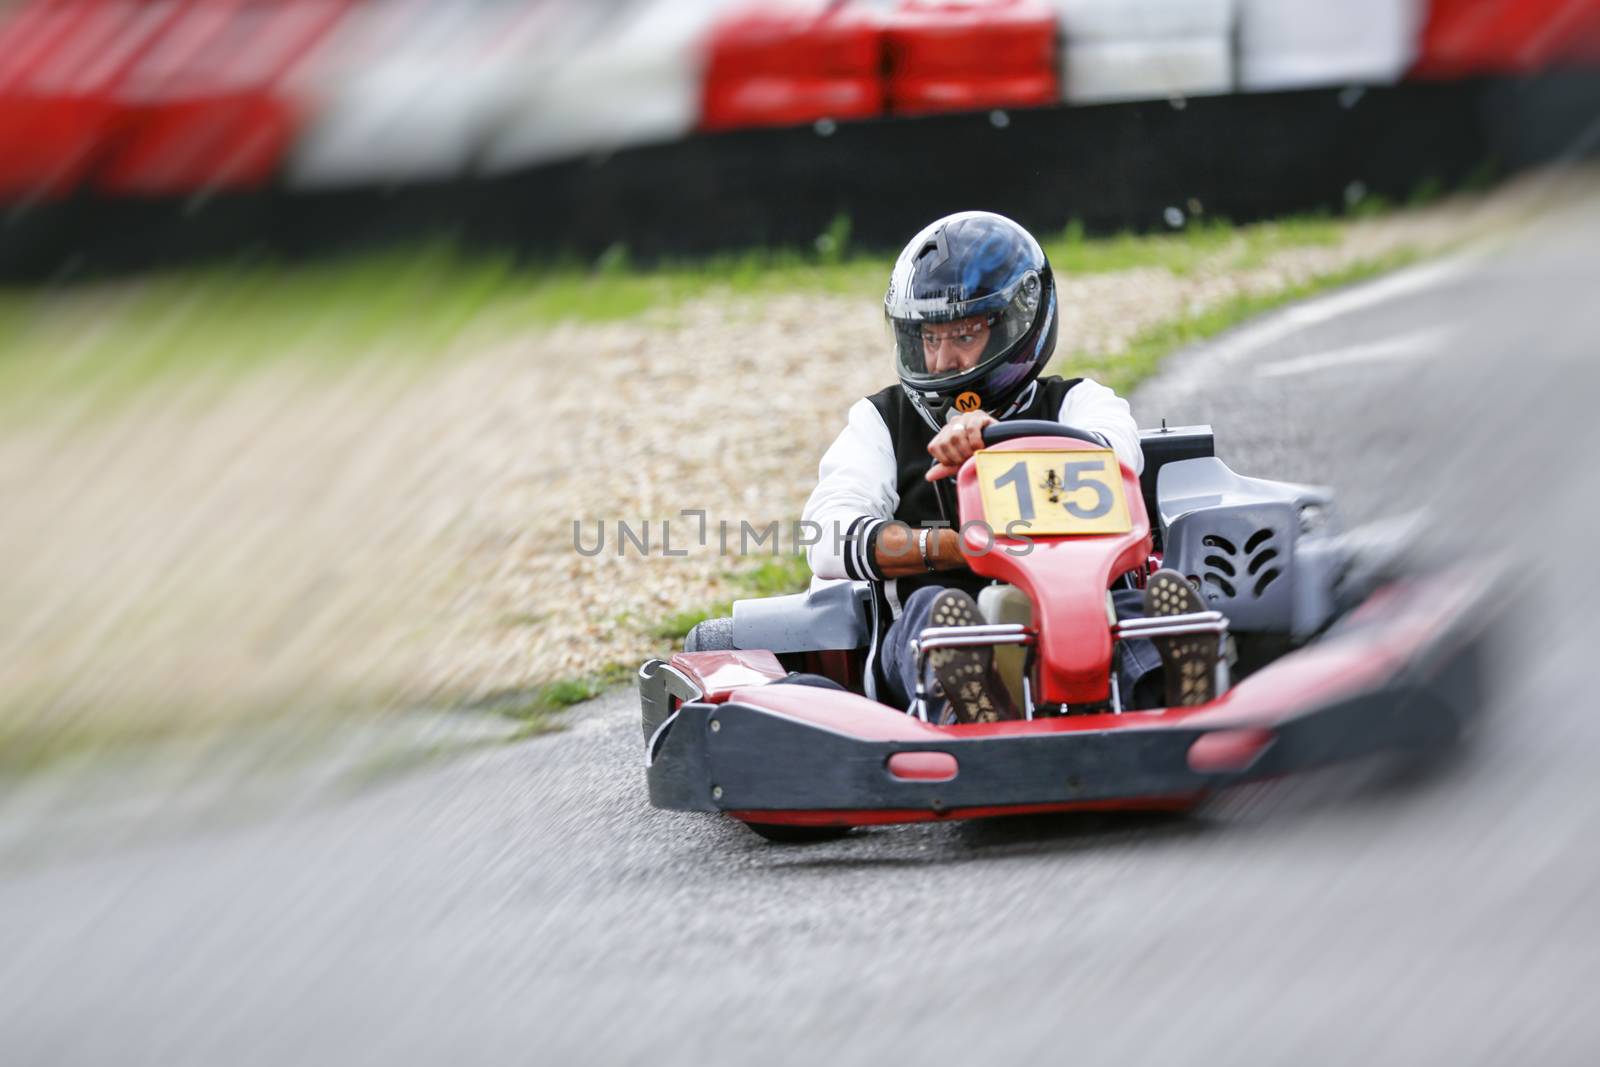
(526, 904)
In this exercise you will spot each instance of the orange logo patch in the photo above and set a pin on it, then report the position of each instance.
(968, 401)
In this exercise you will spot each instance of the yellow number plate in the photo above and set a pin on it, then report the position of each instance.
(1043, 493)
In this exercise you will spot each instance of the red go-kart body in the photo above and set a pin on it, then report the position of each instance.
(1400, 671)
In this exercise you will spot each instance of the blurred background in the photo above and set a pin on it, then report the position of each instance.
(139, 133)
(324, 324)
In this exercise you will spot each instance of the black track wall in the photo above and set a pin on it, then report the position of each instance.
(1242, 157)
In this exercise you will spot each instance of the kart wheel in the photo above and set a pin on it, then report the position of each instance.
(797, 835)
(713, 635)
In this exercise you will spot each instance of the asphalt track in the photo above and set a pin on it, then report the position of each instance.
(524, 904)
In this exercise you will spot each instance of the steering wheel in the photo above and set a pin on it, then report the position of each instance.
(996, 432)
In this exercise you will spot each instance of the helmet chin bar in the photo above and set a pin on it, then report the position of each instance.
(938, 410)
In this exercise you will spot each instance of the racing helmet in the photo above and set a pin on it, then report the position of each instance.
(972, 306)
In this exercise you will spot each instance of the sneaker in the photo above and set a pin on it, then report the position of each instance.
(1189, 663)
(967, 675)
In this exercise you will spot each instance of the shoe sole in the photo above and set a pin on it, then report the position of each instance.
(1190, 661)
(963, 673)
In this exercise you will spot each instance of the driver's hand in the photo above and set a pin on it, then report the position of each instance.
(955, 444)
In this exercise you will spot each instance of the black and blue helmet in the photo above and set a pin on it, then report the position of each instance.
(985, 271)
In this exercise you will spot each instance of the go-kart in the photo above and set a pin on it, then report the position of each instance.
(770, 716)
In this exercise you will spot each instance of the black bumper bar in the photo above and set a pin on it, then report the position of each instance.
(736, 757)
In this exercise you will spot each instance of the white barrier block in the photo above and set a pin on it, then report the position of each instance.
(1106, 71)
(410, 89)
(1083, 21)
(1288, 44)
(639, 82)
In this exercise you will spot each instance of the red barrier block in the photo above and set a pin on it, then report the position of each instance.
(802, 40)
(923, 96)
(794, 64)
(60, 63)
(970, 37)
(953, 55)
(788, 101)
(205, 108)
(1464, 37)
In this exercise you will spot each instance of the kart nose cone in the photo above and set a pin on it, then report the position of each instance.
(923, 766)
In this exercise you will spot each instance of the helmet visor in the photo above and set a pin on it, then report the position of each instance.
(957, 339)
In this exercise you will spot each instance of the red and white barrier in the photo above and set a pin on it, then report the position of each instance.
(175, 97)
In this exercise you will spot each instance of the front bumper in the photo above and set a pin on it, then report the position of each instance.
(1397, 685)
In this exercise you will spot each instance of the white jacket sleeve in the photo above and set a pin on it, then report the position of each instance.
(1091, 406)
(855, 495)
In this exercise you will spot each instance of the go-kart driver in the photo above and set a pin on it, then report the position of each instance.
(972, 306)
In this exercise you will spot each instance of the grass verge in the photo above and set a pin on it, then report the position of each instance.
(534, 710)
(537, 710)
(417, 304)
(774, 577)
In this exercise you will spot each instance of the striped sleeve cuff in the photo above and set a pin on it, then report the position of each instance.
(860, 548)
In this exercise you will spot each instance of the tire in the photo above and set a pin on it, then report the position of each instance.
(713, 635)
(781, 834)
